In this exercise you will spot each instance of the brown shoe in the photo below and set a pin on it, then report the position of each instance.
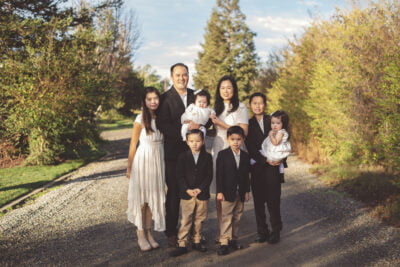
(172, 241)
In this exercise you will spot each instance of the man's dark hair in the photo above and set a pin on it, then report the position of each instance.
(235, 130)
(179, 64)
(195, 131)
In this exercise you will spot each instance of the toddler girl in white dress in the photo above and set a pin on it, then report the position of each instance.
(276, 146)
(198, 112)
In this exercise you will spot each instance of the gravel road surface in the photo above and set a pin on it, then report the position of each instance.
(83, 223)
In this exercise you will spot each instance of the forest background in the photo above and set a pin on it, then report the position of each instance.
(62, 68)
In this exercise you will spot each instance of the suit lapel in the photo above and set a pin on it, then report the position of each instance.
(177, 100)
(233, 160)
(191, 158)
(267, 124)
(257, 125)
(190, 97)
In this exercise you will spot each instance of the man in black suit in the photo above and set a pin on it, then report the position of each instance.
(266, 178)
(172, 105)
(233, 187)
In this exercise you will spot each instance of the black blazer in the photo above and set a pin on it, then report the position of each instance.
(231, 179)
(169, 121)
(191, 175)
(256, 137)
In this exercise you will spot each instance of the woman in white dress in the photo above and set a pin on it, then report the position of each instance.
(229, 112)
(146, 195)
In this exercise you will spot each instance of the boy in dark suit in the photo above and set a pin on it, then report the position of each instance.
(194, 172)
(233, 187)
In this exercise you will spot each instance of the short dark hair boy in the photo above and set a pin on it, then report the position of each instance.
(194, 172)
(233, 187)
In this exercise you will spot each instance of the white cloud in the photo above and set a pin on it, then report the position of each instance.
(152, 45)
(279, 24)
(310, 3)
(272, 41)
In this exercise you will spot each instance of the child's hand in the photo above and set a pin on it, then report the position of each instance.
(186, 121)
(246, 196)
(197, 191)
(220, 197)
(191, 192)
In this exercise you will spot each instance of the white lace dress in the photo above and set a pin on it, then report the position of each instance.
(238, 116)
(146, 184)
(279, 152)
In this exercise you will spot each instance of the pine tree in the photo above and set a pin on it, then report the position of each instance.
(228, 49)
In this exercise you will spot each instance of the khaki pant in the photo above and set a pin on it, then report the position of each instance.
(230, 217)
(194, 212)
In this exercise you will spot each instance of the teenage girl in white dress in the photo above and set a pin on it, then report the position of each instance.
(146, 195)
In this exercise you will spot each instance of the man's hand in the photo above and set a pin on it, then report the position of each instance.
(193, 125)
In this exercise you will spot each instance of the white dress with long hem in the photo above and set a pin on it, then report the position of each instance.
(147, 182)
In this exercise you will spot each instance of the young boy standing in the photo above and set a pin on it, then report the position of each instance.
(194, 171)
(233, 187)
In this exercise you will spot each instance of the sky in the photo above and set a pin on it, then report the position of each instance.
(171, 31)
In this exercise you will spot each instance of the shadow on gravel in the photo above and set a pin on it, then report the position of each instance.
(27, 185)
(100, 176)
(119, 147)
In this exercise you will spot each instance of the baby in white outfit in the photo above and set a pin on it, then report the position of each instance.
(198, 112)
(276, 146)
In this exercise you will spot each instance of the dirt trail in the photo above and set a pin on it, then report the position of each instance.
(83, 222)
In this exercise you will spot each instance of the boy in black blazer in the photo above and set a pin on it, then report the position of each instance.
(194, 172)
(233, 187)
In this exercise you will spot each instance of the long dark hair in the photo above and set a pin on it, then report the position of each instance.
(146, 115)
(219, 102)
(284, 117)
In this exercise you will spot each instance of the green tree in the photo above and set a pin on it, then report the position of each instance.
(228, 48)
(53, 78)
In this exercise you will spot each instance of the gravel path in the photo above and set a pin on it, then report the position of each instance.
(83, 222)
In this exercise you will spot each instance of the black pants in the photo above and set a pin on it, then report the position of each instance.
(172, 200)
(266, 187)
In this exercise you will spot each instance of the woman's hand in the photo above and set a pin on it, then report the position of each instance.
(128, 172)
(215, 119)
(246, 196)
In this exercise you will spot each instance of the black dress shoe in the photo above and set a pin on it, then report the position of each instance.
(172, 241)
(199, 247)
(178, 251)
(233, 244)
(223, 250)
(274, 238)
(262, 238)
